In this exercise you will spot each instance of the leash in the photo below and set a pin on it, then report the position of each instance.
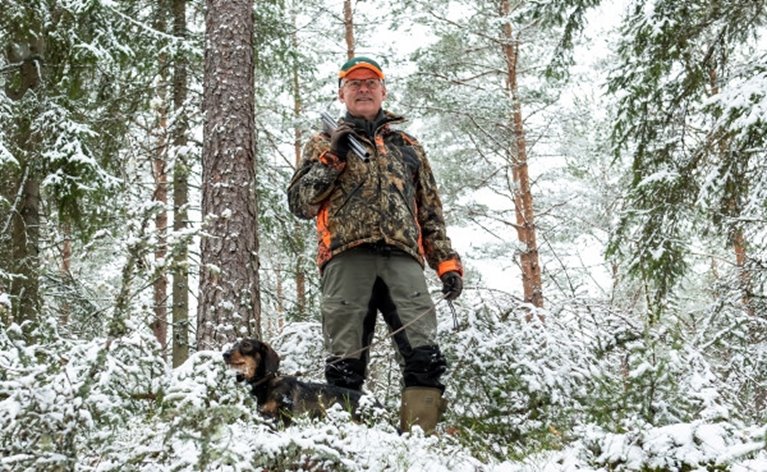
(455, 314)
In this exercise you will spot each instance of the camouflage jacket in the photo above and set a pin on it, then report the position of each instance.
(390, 199)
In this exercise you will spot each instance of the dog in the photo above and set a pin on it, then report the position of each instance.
(283, 396)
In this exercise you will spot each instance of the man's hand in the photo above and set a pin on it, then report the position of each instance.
(452, 285)
(339, 141)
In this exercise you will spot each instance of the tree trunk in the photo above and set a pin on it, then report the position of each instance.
(739, 245)
(25, 241)
(300, 275)
(348, 29)
(300, 289)
(65, 268)
(737, 238)
(523, 198)
(229, 304)
(22, 222)
(180, 290)
(160, 323)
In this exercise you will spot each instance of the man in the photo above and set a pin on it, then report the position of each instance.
(379, 222)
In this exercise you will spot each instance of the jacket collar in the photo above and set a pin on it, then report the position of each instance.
(369, 128)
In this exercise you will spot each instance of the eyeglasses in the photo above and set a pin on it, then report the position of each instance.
(370, 84)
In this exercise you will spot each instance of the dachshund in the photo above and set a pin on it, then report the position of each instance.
(284, 396)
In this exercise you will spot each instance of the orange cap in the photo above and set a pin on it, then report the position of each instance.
(358, 64)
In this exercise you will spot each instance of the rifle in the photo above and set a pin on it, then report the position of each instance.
(330, 125)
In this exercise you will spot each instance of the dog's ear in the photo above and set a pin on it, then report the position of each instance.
(270, 359)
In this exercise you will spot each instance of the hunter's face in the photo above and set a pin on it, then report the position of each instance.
(362, 93)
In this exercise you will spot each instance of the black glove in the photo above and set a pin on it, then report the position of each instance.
(339, 141)
(452, 285)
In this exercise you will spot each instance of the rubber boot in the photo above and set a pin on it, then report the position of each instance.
(422, 406)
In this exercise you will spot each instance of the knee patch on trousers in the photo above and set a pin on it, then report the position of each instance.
(424, 366)
(345, 372)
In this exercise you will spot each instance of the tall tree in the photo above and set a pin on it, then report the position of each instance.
(70, 90)
(487, 66)
(180, 290)
(523, 198)
(25, 51)
(298, 144)
(160, 173)
(690, 83)
(229, 302)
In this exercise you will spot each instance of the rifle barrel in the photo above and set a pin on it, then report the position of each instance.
(356, 147)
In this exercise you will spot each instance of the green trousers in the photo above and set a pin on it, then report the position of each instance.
(355, 286)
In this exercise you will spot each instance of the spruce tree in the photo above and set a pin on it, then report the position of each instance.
(682, 118)
(73, 76)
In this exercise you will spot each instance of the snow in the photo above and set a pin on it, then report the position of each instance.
(573, 389)
(5, 300)
(203, 416)
(6, 158)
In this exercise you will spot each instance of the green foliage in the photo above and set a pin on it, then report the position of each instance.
(567, 18)
(47, 418)
(515, 383)
(588, 383)
(89, 81)
(689, 174)
(68, 106)
(537, 387)
(597, 386)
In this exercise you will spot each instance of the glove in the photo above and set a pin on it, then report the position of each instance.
(339, 141)
(452, 285)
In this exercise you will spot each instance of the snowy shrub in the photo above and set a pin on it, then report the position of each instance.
(196, 425)
(513, 383)
(301, 351)
(653, 378)
(41, 411)
(208, 421)
(60, 398)
(682, 446)
(734, 343)
(528, 384)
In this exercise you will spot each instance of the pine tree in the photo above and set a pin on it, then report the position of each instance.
(474, 83)
(160, 195)
(229, 302)
(523, 199)
(181, 165)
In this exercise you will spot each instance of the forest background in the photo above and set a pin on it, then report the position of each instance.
(602, 169)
